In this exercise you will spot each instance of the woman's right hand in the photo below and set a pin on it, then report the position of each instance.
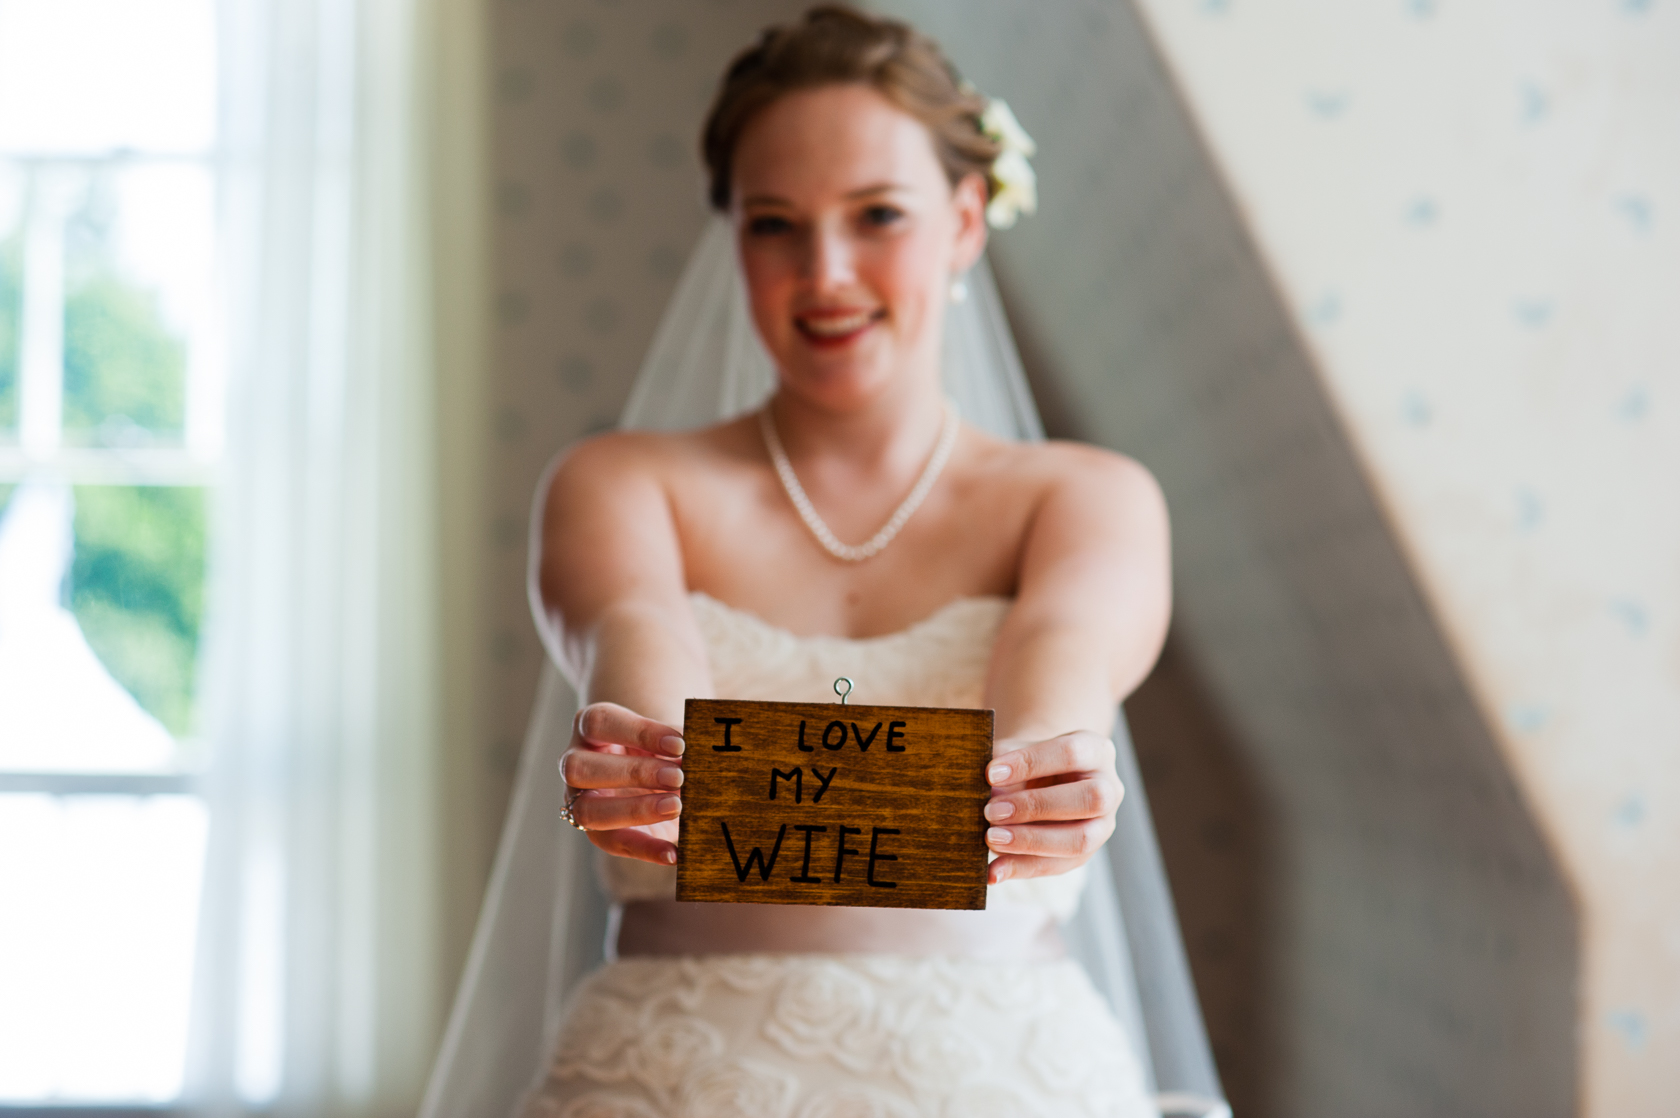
(622, 773)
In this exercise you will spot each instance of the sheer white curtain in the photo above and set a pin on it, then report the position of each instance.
(317, 982)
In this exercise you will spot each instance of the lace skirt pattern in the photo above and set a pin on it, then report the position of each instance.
(838, 1036)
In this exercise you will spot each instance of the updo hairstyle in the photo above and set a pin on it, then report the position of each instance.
(835, 45)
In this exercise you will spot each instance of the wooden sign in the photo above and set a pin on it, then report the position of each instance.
(826, 803)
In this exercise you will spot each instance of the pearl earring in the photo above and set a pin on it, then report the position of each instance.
(959, 289)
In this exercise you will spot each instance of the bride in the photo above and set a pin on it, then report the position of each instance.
(1031, 578)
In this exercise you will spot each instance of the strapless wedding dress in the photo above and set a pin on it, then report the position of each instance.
(955, 1035)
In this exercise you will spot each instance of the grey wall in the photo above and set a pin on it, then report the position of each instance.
(1418, 948)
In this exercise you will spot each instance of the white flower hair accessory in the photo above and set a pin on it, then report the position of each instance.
(1014, 185)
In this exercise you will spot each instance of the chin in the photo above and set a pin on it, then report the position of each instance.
(839, 392)
(839, 380)
(836, 390)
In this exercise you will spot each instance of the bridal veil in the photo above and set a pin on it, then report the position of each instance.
(545, 921)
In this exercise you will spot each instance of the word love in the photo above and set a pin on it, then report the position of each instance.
(833, 736)
(819, 803)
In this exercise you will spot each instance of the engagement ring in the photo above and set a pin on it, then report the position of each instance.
(566, 812)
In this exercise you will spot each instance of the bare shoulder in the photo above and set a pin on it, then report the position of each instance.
(608, 533)
(620, 463)
(616, 456)
(1082, 463)
(1078, 476)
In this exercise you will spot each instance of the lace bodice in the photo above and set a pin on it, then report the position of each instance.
(939, 661)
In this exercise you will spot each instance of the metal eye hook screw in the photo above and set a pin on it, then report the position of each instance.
(844, 695)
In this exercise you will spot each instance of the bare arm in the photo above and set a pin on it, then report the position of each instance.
(1088, 622)
(613, 586)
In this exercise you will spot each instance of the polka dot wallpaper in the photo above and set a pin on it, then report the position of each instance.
(1471, 209)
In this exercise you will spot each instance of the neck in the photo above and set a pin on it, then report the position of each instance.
(878, 443)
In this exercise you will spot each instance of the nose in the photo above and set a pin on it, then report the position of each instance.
(829, 261)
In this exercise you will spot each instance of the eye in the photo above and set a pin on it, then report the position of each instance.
(881, 216)
(768, 225)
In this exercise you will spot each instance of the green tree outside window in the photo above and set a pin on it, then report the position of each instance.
(137, 590)
(124, 370)
(136, 586)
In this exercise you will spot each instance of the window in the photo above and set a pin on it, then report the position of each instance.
(110, 434)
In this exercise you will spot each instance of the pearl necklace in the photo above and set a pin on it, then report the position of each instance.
(819, 529)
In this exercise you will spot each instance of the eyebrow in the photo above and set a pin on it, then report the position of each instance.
(860, 192)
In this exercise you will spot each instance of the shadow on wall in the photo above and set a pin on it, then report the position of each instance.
(1217, 833)
(1215, 839)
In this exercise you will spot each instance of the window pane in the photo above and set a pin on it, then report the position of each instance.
(137, 259)
(100, 895)
(100, 593)
(92, 76)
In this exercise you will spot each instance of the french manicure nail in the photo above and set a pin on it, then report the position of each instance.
(671, 745)
(997, 774)
(669, 804)
(671, 857)
(1000, 836)
(999, 810)
(670, 777)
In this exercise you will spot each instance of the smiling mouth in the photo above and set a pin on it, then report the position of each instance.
(836, 328)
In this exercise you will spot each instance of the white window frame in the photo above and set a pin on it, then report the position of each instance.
(40, 451)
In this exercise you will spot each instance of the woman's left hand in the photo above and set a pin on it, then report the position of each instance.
(1052, 804)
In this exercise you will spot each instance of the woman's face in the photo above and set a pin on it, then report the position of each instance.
(849, 234)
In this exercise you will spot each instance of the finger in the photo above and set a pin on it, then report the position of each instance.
(597, 811)
(1051, 840)
(633, 842)
(610, 724)
(1020, 867)
(585, 768)
(1081, 751)
(1091, 798)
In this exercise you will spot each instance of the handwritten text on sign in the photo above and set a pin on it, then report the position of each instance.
(825, 803)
